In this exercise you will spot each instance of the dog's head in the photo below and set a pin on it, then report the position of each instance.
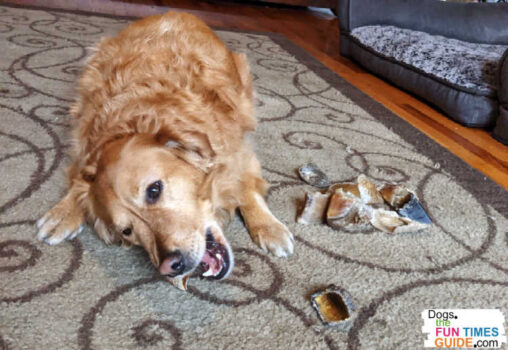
(151, 193)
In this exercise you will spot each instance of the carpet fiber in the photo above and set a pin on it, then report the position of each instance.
(85, 295)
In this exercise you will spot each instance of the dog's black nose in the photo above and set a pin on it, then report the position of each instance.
(173, 265)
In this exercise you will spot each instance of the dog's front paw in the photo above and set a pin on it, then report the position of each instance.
(274, 238)
(64, 221)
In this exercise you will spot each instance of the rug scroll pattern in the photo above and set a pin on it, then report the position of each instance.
(85, 295)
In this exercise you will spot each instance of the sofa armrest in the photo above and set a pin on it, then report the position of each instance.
(500, 131)
(502, 89)
(473, 22)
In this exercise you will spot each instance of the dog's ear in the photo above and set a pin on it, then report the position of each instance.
(240, 96)
(83, 178)
(230, 86)
(242, 67)
(192, 147)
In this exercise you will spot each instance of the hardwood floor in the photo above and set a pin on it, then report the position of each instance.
(317, 32)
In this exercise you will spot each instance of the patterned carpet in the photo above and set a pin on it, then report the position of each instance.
(85, 295)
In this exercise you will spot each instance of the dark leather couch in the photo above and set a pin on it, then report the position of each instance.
(476, 23)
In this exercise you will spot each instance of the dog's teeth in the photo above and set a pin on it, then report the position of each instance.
(218, 256)
(207, 273)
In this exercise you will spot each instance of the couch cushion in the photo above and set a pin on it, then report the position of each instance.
(466, 108)
(471, 67)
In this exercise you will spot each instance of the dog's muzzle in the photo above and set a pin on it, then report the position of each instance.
(216, 262)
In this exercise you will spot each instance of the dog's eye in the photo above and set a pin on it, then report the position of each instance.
(153, 192)
(127, 231)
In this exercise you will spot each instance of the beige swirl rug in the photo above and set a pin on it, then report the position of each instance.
(84, 295)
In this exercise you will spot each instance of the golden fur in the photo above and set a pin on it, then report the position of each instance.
(164, 100)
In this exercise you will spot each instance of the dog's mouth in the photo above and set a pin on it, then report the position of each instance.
(216, 262)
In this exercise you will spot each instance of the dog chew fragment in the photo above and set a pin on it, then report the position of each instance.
(405, 203)
(312, 175)
(391, 222)
(368, 191)
(334, 307)
(361, 206)
(340, 205)
(387, 221)
(346, 187)
(180, 283)
(314, 208)
(347, 211)
(414, 211)
(395, 195)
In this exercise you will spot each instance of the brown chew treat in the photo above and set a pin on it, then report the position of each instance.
(395, 195)
(391, 222)
(358, 207)
(405, 203)
(347, 211)
(332, 307)
(347, 188)
(335, 307)
(341, 210)
(180, 283)
(314, 208)
(386, 221)
(340, 205)
(368, 191)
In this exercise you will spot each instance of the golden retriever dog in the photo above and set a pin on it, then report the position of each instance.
(160, 152)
